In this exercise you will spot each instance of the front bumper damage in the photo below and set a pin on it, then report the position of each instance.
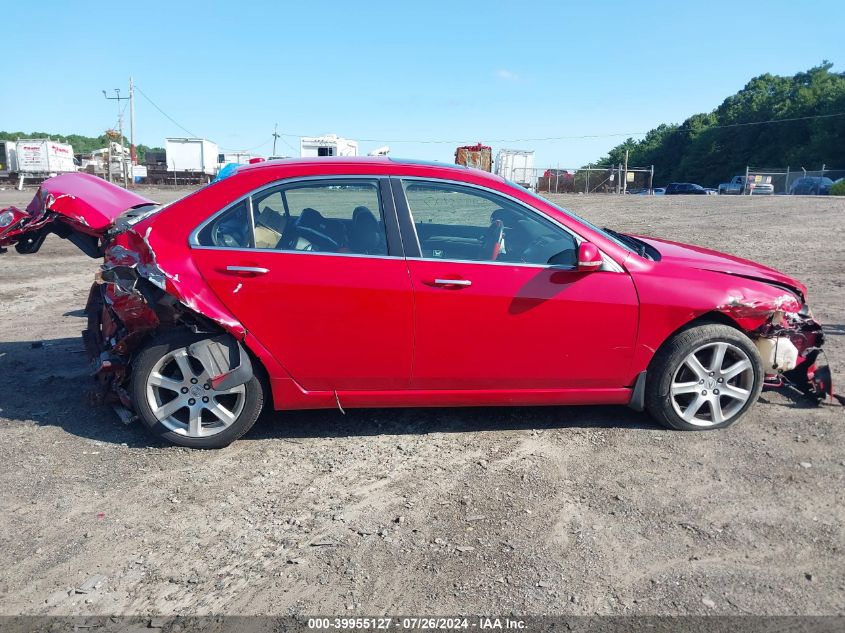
(789, 340)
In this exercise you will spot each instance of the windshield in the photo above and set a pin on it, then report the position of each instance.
(619, 242)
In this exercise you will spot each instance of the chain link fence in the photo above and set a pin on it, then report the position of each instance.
(783, 179)
(586, 180)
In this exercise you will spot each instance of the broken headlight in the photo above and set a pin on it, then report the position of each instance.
(6, 218)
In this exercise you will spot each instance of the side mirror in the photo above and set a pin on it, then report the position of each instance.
(589, 257)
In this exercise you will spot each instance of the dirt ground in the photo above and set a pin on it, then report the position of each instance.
(525, 510)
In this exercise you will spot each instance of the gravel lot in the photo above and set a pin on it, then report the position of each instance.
(526, 510)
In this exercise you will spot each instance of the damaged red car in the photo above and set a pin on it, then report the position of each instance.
(305, 284)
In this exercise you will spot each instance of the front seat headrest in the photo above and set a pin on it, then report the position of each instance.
(310, 218)
(509, 218)
(365, 236)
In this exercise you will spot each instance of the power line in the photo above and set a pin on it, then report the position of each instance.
(288, 144)
(170, 118)
(187, 131)
(248, 149)
(678, 129)
(584, 136)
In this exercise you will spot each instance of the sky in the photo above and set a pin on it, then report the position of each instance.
(419, 77)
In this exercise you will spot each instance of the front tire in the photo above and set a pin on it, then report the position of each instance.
(705, 377)
(173, 396)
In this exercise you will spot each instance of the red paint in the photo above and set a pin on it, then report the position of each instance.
(589, 257)
(521, 327)
(88, 202)
(337, 322)
(372, 331)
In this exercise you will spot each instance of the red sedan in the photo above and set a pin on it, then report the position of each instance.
(381, 283)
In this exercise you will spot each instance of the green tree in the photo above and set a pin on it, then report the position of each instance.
(710, 148)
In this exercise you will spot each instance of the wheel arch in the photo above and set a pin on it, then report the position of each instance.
(713, 316)
(257, 355)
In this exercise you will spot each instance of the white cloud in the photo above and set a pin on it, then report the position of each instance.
(507, 75)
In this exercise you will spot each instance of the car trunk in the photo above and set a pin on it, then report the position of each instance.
(78, 207)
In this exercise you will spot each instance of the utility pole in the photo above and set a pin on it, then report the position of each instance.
(275, 136)
(118, 98)
(132, 156)
(625, 183)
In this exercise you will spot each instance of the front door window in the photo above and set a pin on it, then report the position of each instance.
(454, 222)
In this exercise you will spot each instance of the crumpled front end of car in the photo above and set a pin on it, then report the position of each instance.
(787, 336)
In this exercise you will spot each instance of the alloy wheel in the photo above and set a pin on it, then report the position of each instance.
(180, 396)
(712, 384)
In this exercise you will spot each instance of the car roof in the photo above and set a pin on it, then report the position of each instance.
(391, 166)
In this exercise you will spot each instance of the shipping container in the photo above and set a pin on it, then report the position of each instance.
(516, 165)
(191, 155)
(478, 156)
(42, 157)
(328, 145)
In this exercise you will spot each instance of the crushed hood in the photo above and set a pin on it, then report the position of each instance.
(689, 256)
(81, 202)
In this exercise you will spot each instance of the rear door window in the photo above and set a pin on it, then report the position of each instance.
(337, 216)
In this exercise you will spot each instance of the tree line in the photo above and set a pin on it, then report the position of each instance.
(81, 144)
(712, 147)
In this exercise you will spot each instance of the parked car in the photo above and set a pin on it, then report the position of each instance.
(738, 186)
(685, 188)
(811, 186)
(372, 282)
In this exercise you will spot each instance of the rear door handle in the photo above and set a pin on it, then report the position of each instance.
(250, 270)
(452, 282)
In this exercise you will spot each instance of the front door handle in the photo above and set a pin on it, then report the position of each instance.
(452, 282)
(249, 270)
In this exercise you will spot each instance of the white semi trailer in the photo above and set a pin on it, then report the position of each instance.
(517, 165)
(39, 159)
(185, 161)
(196, 155)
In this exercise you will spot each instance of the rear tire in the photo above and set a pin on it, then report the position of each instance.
(705, 377)
(174, 399)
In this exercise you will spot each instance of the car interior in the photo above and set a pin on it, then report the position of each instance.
(509, 239)
(340, 228)
(334, 224)
(453, 223)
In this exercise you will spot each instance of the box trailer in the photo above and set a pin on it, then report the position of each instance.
(478, 156)
(328, 145)
(185, 161)
(517, 165)
(41, 158)
(8, 159)
(193, 155)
